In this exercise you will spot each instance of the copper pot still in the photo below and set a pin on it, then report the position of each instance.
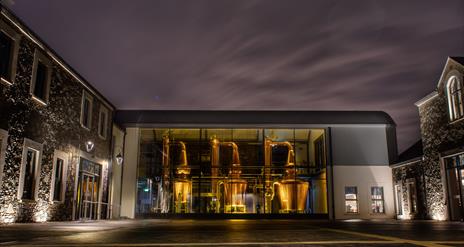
(182, 192)
(292, 195)
(234, 195)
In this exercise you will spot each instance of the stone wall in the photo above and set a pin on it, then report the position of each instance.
(438, 136)
(404, 174)
(56, 126)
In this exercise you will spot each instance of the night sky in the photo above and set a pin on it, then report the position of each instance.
(306, 55)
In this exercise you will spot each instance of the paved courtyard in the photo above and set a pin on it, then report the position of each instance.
(234, 233)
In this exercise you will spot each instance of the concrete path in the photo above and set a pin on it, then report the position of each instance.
(234, 233)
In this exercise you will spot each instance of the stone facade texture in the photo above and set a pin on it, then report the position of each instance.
(407, 174)
(56, 126)
(440, 137)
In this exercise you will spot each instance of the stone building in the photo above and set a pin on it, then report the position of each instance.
(55, 134)
(429, 182)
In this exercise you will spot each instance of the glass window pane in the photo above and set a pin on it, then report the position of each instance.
(6, 44)
(185, 171)
(351, 193)
(377, 206)
(58, 180)
(351, 206)
(86, 113)
(40, 86)
(377, 199)
(29, 174)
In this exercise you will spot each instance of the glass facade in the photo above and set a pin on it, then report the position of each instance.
(232, 171)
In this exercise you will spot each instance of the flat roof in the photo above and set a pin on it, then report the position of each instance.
(146, 118)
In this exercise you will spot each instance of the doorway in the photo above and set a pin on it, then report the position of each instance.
(455, 183)
(88, 190)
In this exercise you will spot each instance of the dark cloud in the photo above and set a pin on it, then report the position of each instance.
(329, 55)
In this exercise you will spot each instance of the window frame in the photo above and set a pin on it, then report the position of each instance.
(399, 200)
(411, 183)
(3, 146)
(86, 95)
(65, 157)
(372, 200)
(38, 147)
(16, 37)
(351, 200)
(452, 95)
(40, 57)
(104, 110)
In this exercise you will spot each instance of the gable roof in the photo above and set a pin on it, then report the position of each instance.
(456, 59)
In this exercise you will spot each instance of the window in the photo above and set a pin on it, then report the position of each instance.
(86, 110)
(103, 122)
(8, 53)
(40, 78)
(59, 176)
(6, 50)
(377, 200)
(455, 98)
(351, 199)
(30, 170)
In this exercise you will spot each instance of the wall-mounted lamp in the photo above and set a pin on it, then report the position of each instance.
(119, 158)
(89, 145)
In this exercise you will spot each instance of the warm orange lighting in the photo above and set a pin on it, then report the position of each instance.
(292, 191)
(182, 193)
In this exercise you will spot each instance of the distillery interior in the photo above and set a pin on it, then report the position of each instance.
(232, 171)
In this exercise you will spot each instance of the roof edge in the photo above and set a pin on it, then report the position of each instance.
(30, 34)
(407, 162)
(426, 98)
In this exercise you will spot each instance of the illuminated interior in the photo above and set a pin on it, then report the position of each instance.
(232, 171)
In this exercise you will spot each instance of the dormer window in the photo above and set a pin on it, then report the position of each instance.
(455, 90)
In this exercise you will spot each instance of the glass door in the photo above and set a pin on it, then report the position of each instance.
(88, 190)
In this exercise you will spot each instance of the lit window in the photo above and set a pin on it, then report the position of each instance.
(6, 51)
(455, 98)
(40, 78)
(351, 199)
(377, 200)
(30, 172)
(86, 110)
(103, 122)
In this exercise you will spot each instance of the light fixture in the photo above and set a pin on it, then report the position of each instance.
(119, 158)
(89, 145)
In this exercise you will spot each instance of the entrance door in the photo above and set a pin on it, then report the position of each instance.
(88, 191)
(454, 177)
